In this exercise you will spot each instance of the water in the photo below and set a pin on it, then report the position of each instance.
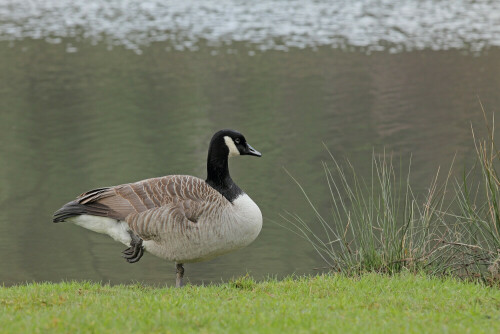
(373, 25)
(77, 114)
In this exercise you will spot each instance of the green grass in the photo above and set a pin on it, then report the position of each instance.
(371, 303)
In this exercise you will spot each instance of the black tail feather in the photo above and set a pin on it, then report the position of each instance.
(74, 208)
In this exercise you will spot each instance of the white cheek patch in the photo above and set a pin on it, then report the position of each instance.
(233, 151)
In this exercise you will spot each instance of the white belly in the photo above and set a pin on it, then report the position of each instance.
(234, 228)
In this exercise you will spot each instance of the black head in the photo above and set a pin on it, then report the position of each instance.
(229, 143)
(224, 144)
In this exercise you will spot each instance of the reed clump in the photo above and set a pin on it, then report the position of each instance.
(478, 217)
(380, 225)
(375, 225)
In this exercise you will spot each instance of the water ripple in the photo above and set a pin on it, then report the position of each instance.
(269, 24)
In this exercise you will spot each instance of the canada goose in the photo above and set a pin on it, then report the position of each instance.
(180, 218)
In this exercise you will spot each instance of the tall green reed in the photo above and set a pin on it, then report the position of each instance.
(478, 195)
(377, 224)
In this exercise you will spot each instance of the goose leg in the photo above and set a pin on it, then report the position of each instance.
(180, 275)
(135, 251)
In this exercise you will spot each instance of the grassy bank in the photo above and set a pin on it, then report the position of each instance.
(330, 303)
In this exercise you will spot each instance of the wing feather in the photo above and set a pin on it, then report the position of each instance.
(150, 207)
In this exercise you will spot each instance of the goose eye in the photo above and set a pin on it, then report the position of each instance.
(237, 140)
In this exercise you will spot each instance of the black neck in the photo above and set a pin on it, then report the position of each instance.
(218, 176)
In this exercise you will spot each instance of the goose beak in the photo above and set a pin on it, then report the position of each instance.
(249, 150)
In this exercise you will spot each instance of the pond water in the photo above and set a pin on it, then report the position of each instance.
(77, 114)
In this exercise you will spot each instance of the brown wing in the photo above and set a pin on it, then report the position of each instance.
(174, 217)
(182, 193)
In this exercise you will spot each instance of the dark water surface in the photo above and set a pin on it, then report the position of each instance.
(70, 122)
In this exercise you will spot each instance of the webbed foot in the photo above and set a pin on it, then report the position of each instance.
(135, 251)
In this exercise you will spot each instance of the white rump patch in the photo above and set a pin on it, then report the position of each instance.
(116, 229)
(233, 151)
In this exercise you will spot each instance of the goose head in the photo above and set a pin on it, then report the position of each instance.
(224, 144)
(230, 143)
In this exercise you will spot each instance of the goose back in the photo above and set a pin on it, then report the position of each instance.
(179, 191)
